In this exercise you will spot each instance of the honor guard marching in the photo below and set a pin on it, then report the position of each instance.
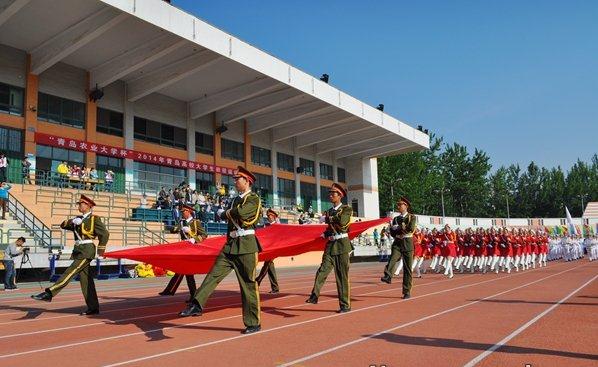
(190, 230)
(268, 267)
(338, 248)
(85, 227)
(240, 254)
(402, 228)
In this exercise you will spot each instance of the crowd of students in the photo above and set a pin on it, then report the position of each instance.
(487, 250)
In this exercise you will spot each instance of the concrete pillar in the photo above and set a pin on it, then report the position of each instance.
(274, 162)
(91, 114)
(318, 182)
(362, 182)
(129, 131)
(334, 168)
(297, 175)
(190, 147)
(31, 90)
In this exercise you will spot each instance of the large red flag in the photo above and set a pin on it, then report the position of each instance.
(276, 240)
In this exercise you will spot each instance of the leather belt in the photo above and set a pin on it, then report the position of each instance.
(241, 233)
(83, 242)
(337, 237)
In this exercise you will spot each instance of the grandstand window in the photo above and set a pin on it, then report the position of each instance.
(475, 222)
(204, 181)
(11, 99)
(286, 192)
(60, 110)
(263, 187)
(326, 171)
(307, 167)
(261, 156)
(204, 143)
(308, 195)
(285, 162)
(151, 177)
(233, 150)
(11, 141)
(116, 165)
(109, 122)
(159, 133)
(341, 175)
(48, 158)
(109, 161)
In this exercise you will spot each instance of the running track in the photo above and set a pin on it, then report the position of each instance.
(545, 317)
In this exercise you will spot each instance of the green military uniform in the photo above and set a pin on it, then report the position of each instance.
(239, 254)
(336, 255)
(268, 268)
(198, 234)
(83, 253)
(402, 228)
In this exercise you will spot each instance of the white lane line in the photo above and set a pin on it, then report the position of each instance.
(198, 323)
(110, 322)
(360, 340)
(305, 322)
(493, 348)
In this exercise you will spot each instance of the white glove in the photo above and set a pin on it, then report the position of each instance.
(219, 212)
(186, 229)
(396, 226)
(77, 221)
(191, 240)
(322, 218)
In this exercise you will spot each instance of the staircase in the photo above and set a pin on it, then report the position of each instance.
(53, 205)
(11, 229)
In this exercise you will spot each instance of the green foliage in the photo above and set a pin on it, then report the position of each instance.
(469, 189)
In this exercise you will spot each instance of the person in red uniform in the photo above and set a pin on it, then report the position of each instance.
(468, 250)
(534, 248)
(517, 247)
(435, 249)
(460, 242)
(543, 249)
(449, 250)
(479, 250)
(419, 252)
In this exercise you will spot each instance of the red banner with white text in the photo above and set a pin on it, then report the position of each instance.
(110, 151)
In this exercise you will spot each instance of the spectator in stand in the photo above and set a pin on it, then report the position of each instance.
(143, 201)
(63, 172)
(93, 174)
(3, 168)
(25, 170)
(4, 188)
(108, 180)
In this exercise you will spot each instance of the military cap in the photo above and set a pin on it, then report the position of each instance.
(270, 211)
(242, 172)
(86, 200)
(338, 188)
(188, 207)
(403, 199)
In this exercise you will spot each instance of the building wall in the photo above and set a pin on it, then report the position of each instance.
(69, 82)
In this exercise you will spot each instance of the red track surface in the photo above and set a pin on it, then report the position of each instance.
(545, 317)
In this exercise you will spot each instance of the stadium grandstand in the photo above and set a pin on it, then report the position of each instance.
(125, 97)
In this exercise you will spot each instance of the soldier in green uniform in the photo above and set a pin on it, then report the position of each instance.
(86, 227)
(401, 229)
(268, 267)
(240, 254)
(338, 248)
(190, 230)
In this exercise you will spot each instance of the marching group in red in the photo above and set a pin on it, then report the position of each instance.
(481, 249)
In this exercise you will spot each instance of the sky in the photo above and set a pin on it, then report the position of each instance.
(516, 79)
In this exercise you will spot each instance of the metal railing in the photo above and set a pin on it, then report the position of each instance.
(124, 234)
(43, 236)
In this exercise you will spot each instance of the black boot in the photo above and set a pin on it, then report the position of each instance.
(90, 312)
(386, 280)
(44, 296)
(344, 309)
(194, 309)
(251, 329)
(312, 299)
